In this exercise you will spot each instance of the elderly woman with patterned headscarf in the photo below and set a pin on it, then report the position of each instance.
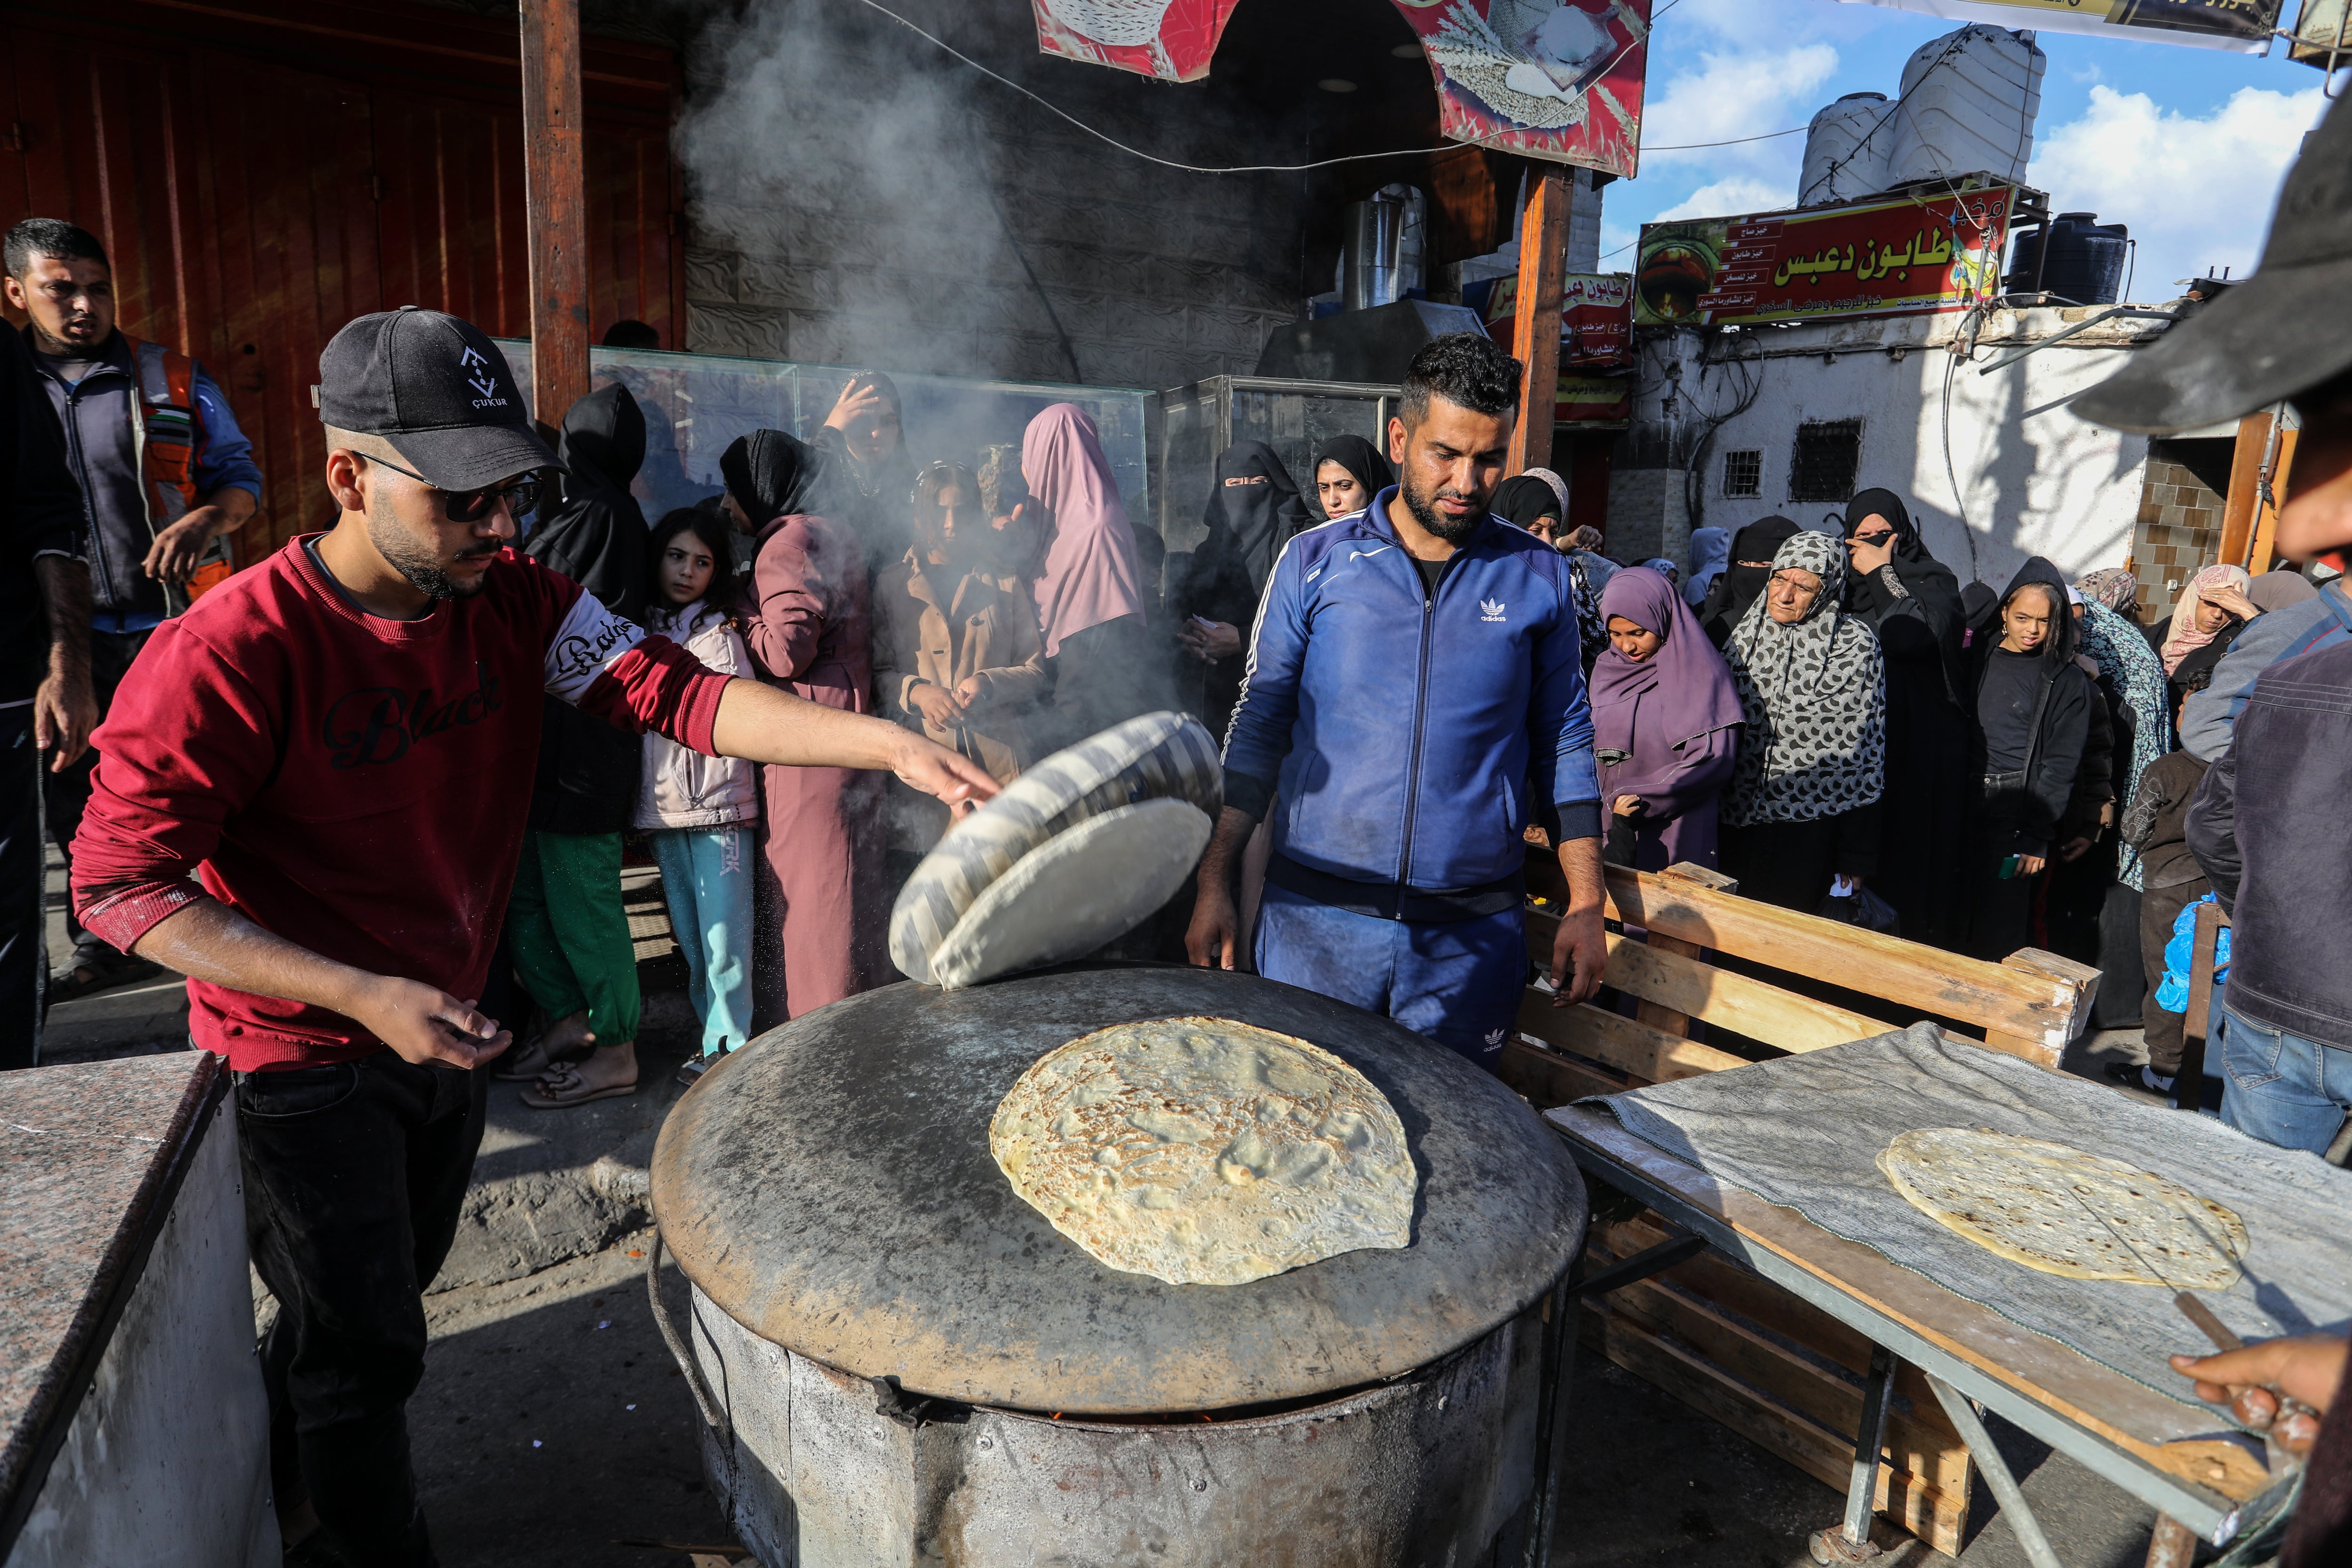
(822, 892)
(1911, 602)
(1800, 819)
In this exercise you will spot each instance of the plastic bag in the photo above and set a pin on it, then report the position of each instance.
(2172, 991)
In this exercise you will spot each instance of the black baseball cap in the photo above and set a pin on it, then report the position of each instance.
(436, 391)
(2281, 332)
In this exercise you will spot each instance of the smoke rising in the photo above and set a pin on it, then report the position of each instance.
(858, 197)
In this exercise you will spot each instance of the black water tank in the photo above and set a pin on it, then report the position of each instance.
(2085, 263)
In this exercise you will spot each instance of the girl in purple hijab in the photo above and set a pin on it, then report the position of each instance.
(1665, 722)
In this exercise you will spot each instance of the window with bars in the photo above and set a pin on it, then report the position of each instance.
(1743, 474)
(1822, 467)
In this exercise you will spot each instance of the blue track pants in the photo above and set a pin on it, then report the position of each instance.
(1457, 981)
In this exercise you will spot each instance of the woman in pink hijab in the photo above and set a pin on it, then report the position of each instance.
(2214, 604)
(1090, 605)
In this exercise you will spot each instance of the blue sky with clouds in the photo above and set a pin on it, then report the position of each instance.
(2185, 146)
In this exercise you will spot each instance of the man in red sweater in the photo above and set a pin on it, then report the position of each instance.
(312, 804)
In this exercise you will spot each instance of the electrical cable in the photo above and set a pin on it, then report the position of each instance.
(951, 49)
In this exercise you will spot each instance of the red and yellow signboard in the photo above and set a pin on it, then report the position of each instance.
(1881, 257)
(1170, 40)
(1596, 336)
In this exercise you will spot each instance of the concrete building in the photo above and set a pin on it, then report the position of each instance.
(1734, 425)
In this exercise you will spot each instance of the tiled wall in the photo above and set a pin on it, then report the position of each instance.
(2179, 531)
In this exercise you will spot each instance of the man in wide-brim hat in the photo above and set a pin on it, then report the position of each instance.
(2267, 823)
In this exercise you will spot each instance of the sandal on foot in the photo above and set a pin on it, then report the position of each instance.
(561, 1090)
(528, 1063)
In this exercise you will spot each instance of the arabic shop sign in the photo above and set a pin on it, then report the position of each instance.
(1596, 318)
(1893, 256)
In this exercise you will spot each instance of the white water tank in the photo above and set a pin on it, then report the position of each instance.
(1843, 159)
(1969, 103)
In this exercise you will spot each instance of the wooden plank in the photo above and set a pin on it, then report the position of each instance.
(1622, 1043)
(555, 181)
(1548, 1078)
(1535, 339)
(2018, 1003)
(1826, 1455)
(2076, 985)
(1936, 1455)
(2165, 1433)
(2265, 553)
(1736, 1291)
(2238, 508)
(1737, 1003)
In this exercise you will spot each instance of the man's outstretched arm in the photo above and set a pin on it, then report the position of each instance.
(762, 724)
(209, 941)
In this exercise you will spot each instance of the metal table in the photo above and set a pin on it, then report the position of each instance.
(2203, 1478)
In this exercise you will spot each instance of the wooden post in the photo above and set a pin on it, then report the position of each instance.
(2265, 547)
(2238, 509)
(1535, 339)
(555, 183)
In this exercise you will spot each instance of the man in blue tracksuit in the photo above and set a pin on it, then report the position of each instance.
(1413, 697)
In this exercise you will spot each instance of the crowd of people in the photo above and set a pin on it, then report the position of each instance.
(322, 793)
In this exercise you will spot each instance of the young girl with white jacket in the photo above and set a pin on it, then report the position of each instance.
(697, 812)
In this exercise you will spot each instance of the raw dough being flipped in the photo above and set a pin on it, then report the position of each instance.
(1205, 1151)
(2064, 1212)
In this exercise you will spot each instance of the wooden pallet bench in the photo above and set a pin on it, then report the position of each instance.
(1723, 1340)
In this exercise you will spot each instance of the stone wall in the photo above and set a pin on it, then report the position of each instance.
(2179, 531)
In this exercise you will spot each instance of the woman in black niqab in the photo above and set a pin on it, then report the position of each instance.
(1913, 601)
(1254, 509)
(1742, 583)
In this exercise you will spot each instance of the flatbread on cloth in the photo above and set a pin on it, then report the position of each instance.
(1205, 1151)
(2064, 1212)
(1806, 1132)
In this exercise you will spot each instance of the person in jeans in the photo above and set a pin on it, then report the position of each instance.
(700, 814)
(166, 476)
(1415, 697)
(2267, 823)
(341, 741)
(46, 704)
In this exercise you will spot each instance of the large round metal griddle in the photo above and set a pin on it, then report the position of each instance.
(830, 1188)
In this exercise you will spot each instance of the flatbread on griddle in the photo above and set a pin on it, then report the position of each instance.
(1205, 1151)
(2064, 1212)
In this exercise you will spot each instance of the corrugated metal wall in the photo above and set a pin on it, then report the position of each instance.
(262, 171)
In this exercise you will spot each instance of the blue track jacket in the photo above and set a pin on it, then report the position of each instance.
(1407, 735)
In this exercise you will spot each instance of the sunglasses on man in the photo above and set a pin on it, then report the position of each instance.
(471, 506)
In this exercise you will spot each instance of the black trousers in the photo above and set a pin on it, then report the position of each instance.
(2165, 1033)
(354, 1176)
(23, 941)
(67, 793)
